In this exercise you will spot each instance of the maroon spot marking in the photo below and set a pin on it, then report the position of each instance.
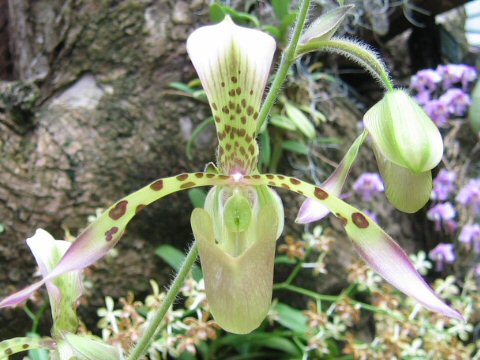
(25, 346)
(139, 208)
(242, 150)
(214, 106)
(224, 177)
(8, 351)
(285, 186)
(247, 177)
(199, 175)
(320, 193)
(270, 176)
(271, 183)
(255, 116)
(251, 149)
(228, 128)
(251, 92)
(238, 91)
(220, 150)
(217, 119)
(243, 119)
(248, 138)
(231, 105)
(241, 132)
(360, 220)
(225, 110)
(342, 218)
(238, 109)
(182, 177)
(187, 185)
(250, 110)
(280, 177)
(294, 181)
(300, 192)
(221, 136)
(231, 92)
(234, 79)
(232, 135)
(244, 102)
(119, 210)
(228, 146)
(222, 84)
(109, 234)
(157, 185)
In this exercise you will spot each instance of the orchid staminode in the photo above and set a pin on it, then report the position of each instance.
(243, 216)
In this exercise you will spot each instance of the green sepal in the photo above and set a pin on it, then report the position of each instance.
(325, 26)
(237, 213)
(239, 289)
(407, 191)
(404, 133)
(90, 347)
(20, 344)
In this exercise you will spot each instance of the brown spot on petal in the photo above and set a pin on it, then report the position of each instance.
(118, 210)
(109, 234)
(250, 110)
(210, 175)
(243, 119)
(320, 193)
(234, 79)
(157, 185)
(280, 177)
(217, 119)
(294, 181)
(182, 177)
(25, 346)
(231, 92)
(199, 175)
(214, 106)
(8, 351)
(271, 183)
(238, 91)
(270, 176)
(360, 220)
(187, 185)
(285, 186)
(139, 208)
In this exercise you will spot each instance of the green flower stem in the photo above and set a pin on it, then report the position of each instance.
(354, 51)
(335, 298)
(288, 57)
(142, 346)
(297, 268)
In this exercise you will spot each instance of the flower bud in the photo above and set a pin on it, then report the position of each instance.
(403, 132)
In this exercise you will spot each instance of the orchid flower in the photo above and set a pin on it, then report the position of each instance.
(243, 216)
(63, 293)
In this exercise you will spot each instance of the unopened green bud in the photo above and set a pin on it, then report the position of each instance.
(404, 133)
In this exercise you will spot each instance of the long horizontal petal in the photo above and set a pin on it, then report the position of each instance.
(377, 248)
(20, 344)
(102, 235)
(312, 210)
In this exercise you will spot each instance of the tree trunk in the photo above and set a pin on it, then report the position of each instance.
(87, 120)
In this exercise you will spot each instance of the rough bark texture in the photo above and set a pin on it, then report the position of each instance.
(89, 119)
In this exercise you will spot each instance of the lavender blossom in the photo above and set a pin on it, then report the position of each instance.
(456, 73)
(469, 195)
(443, 254)
(471, 235)
(443, 213)
(443, 185)
(438, 111)
(457, 101)
(425, 81)
(368, 185)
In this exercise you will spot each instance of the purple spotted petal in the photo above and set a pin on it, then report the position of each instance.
(389, 260)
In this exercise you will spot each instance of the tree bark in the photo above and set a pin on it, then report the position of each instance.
(89, 119)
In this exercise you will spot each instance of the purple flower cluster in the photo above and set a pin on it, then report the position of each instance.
(443, 92)
(443, 214)
(470, 235)
(443, 185)
(469, 195)
(368, 185)
(443, 254)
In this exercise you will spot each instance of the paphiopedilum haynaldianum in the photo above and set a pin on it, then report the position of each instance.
(243, 216)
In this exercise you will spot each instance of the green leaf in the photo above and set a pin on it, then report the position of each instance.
(282, 122)
(196, 133)
(474, 111)
(272, 30)
(263, 340)
(291, 318)
(295, 147)
(181, 86)
(91, 347)
(2, 228)
(265, 148)
(216, 13)
(241, 17)
(175, 258)
(281, 8)
(300, 120)
(197, 197)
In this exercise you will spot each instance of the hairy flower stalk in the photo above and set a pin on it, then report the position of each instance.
(243, 216)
